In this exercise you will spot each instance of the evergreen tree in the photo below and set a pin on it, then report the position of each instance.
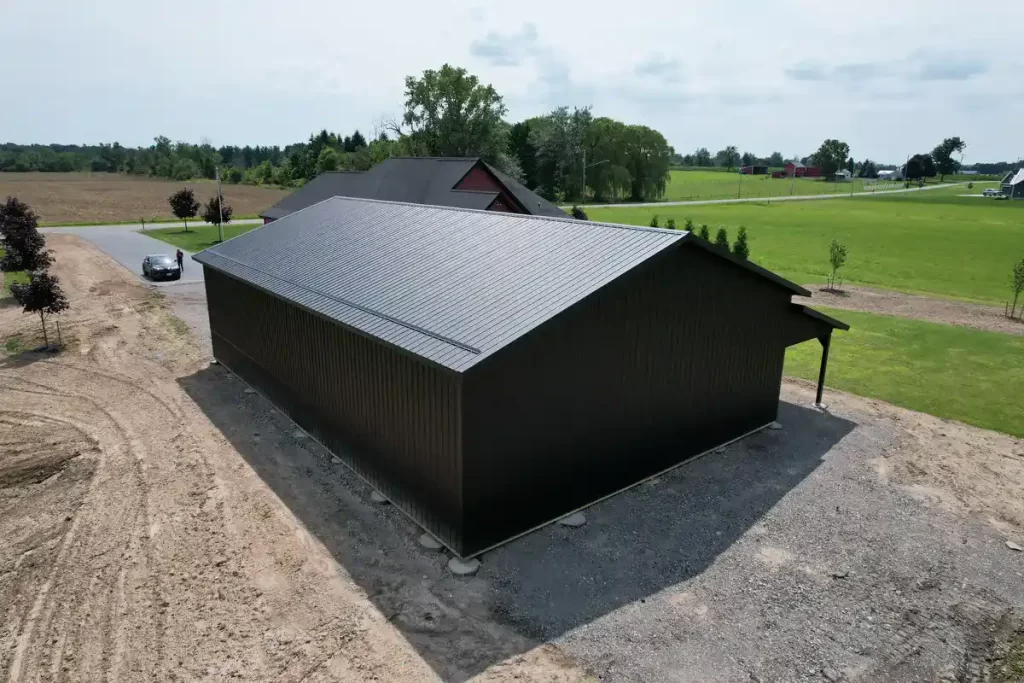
(705, 234)
(578, 213)
(740, 247)
(722, 238)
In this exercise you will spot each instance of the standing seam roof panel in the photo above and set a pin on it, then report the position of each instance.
(437, 282)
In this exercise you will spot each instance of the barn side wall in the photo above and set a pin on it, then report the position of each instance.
(676, 357)
(391, 418)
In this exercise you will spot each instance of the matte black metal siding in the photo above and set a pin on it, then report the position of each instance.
(394, 419)
(676, 357)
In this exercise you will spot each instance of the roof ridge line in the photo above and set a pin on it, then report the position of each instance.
(559, 219)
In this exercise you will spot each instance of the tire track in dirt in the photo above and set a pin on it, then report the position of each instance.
(180, 558)
(113, 520)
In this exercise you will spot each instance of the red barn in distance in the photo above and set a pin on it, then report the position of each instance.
(794, 169)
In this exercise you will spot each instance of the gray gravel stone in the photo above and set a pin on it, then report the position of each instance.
(429, 542)
(463, 567)
(576, 519)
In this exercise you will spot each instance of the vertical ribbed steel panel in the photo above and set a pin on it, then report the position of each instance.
(674, 358)
(392, 418)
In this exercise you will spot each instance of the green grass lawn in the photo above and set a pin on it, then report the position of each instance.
(7, 279)
(934, 242)
(952, 372)
(697, 185)
(199, 237)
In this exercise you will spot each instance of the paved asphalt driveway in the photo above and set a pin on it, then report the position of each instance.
(126, 245)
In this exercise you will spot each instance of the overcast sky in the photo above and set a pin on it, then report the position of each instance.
(889, 78)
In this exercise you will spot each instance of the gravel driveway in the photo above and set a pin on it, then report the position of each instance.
(803, 554)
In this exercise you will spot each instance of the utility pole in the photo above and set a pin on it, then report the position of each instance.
(583, 180)
(220, 205)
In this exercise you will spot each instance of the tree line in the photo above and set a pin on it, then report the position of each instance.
(564, 155)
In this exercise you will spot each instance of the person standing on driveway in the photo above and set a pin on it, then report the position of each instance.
(181, 261)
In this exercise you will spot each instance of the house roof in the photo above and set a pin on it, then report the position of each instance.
(1017, 179)
(449, 285)
(415, 180)
(795, 164)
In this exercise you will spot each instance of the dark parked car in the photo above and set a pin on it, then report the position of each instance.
(160, 266)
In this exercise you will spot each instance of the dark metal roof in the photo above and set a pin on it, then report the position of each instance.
(450, 285)
(414, 180)
(447, 284)
(827, 319)
(531, 201)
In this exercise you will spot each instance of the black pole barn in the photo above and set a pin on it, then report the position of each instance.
(491, 372)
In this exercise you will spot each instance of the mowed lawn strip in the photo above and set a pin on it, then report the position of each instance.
(953, 372)
(932, 242)
(200, 237)
(702, 185)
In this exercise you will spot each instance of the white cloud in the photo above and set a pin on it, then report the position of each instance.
(763, 76)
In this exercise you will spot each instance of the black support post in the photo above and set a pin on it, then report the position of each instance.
(825, 341)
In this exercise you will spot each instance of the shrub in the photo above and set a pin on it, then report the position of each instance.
(41, 294)
(722, 238)
(670, 224)
(740, 247)
(24, 246)
(211, 213)
(688, 225)
(970, 186)
(184, 205)
(654, 221)
(578, 213)
(836, 258)
(705, 234)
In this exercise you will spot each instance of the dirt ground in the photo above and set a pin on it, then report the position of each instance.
(159, 522)
(946, 311)
(110, 197)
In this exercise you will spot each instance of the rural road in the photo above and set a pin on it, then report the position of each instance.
(126, 245)
(745, 200)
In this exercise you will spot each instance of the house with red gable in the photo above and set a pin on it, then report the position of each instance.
(462, 182)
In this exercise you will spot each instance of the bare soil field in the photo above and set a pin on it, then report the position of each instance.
(110, 198)
(932, 309)
(160, 522)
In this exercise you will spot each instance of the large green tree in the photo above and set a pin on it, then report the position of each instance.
(728, 158)
(831, 156)
(943, 156)
(920, 166)
(449, 113)
(558, 138)
(523, 150)
(868, 169)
